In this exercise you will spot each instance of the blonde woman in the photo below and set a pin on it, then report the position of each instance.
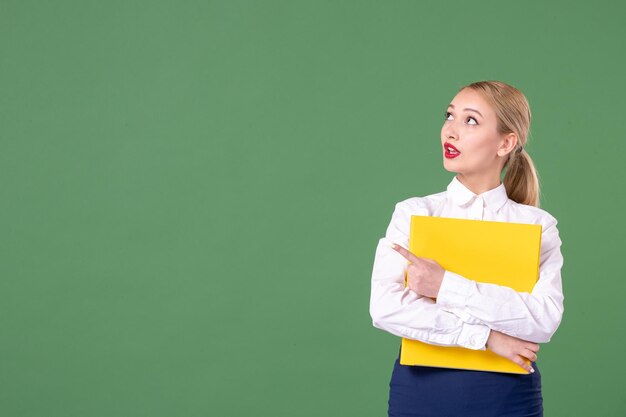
(483, 135)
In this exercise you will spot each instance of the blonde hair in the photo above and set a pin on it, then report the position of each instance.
(513, 113)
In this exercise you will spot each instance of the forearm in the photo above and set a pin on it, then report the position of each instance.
(401, 312)
(534, 316)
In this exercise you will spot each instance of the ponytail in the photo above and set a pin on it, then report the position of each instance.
(513, 112)
(521, 179)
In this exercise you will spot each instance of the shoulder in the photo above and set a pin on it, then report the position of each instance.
(534, 215)
(399, 227)
(421, 205)
(550, 236)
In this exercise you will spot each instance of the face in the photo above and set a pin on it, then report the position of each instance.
(470, 125)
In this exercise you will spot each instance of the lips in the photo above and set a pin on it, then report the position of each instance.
(451, 151)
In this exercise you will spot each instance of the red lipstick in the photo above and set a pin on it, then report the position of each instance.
(450, 150)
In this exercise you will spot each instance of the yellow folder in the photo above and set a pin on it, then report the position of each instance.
(501, 253)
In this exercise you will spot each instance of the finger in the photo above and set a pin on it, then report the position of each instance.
(533, 346)
(521, 362)
(404, 252)
(532, 356)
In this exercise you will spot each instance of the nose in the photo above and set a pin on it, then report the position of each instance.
(449, 131)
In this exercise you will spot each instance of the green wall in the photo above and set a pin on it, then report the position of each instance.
(192, 193)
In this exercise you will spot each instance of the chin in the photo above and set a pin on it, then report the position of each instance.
(448, 167)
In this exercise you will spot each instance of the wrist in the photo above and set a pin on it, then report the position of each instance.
(489, 339)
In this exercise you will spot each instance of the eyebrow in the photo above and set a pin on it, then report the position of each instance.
(467, 108)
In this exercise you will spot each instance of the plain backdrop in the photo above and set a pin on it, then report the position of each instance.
(192, 193)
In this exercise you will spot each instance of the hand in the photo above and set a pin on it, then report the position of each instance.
(513, 348)
(424, 275)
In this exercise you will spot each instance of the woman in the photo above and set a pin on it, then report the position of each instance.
(484, 133)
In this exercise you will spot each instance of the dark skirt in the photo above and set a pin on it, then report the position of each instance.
(420, 391)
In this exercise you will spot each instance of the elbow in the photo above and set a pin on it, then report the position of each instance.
(377, 313)
(376, 317)
(380, 318)
(376, 322)
(547, 326)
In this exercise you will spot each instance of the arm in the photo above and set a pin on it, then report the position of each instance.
(400, 311)
(533, 316)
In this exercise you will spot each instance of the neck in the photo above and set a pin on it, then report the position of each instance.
(479, 185)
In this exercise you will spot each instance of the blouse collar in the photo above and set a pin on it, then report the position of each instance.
(461, 195)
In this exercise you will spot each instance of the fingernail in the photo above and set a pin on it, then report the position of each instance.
(391, 245)
(532, 370)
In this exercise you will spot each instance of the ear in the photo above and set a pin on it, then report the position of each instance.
(508, 143)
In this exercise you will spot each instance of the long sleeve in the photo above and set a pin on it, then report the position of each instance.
(400, 311)
(533, 316)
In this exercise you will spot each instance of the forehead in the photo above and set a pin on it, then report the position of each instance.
(473, 100)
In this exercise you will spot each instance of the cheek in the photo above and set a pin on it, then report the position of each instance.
(480, 146)
(485, 149)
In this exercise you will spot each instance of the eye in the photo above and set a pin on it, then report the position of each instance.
(448, 114)
(476, 122)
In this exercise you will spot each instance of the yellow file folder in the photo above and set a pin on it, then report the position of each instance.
(501, 253)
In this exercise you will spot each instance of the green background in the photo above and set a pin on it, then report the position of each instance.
(192, 194)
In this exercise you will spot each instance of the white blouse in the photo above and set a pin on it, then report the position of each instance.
(466, 310)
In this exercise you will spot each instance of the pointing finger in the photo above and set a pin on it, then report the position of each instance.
(404, 252)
